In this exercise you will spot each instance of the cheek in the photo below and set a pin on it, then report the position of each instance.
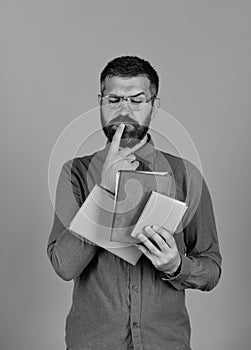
(143, 118)
(106, 116)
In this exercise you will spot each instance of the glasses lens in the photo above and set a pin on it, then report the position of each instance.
(137, 103)
(112, 101)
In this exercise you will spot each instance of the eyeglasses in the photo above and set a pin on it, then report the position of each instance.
(135, 103)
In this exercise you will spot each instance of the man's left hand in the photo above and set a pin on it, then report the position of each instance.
(160, 247)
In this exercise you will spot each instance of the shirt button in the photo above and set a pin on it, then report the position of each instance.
(136, 325)
(135, 288)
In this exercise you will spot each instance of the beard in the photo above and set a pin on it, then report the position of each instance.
(133, 132)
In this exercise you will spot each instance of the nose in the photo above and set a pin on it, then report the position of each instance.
(124, 108)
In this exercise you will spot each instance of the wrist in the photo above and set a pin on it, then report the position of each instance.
(171, 274)
(172, 270)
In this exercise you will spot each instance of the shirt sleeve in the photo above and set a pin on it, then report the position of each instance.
(69, 255)
(201, 263)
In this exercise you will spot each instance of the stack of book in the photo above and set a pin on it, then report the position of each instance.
(141, 199)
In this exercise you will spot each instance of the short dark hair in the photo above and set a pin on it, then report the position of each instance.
(128, 67)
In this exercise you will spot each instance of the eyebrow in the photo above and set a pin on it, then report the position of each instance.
(138, 94)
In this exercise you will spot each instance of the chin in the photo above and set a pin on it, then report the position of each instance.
(130, 137)
(129, 142)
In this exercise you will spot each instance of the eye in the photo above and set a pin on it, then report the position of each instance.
(137, 100)
(113, 99)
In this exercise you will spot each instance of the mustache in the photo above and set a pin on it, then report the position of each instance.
(125, 119)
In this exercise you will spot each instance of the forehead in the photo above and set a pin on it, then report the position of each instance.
(127, 86)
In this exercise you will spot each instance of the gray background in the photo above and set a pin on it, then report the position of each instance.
(51, 55)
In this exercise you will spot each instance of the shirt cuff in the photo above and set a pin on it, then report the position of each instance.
(165, 276)
(182, 273)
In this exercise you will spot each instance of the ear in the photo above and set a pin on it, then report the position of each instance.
(156, 105)
(99, 99)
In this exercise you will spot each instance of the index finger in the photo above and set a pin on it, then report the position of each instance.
(116, 139)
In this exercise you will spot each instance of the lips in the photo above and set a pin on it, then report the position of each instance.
(128, 125)
(125, 120)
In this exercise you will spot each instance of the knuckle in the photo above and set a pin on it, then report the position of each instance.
(132, 156)
(125, 151)
(158, 264)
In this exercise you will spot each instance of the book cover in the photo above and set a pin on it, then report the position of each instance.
(93, 223)
(160, 210)
(133, 189)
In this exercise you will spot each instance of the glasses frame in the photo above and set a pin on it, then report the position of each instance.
(124, 98)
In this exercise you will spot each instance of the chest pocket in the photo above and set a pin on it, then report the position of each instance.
(179, 239)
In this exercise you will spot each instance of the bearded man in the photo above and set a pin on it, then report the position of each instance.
(118, 306)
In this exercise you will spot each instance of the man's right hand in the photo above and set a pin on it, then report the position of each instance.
(118, 159)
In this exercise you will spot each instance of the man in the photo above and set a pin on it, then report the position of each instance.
(118, 306)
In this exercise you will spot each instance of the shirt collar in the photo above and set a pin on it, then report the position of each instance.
(147, 152)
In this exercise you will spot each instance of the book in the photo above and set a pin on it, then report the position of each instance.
(133, 189)
(160, 210)
(93, 222)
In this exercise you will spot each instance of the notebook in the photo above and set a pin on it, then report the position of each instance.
(93, 222)
(160, 210)
(133, 189)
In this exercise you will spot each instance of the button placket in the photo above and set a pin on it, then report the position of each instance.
(135, 288)
(136, 325)
(135, 282)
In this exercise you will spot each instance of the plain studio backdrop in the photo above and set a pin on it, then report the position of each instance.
(52, 53)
